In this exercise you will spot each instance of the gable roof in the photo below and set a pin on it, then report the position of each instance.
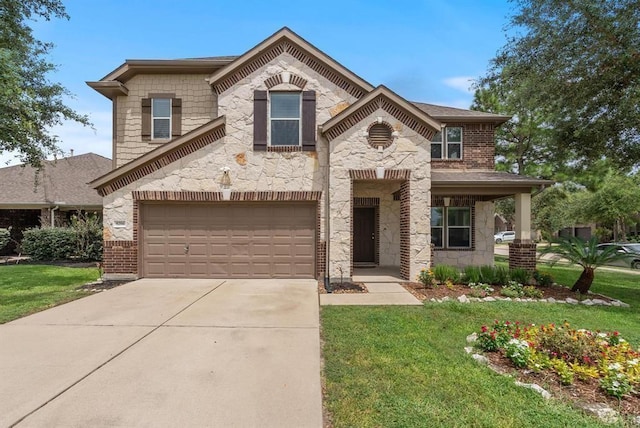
(164, 155)
(63, 182)
(285, 40)
(385, 98)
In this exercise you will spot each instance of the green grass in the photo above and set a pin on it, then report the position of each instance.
(406, 367)
(25, 289)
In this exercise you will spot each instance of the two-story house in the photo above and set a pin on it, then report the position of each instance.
(282, 163)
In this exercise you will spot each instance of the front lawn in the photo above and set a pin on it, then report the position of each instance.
(25, 289)
(405, 366)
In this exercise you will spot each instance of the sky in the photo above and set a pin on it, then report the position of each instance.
(424, 50)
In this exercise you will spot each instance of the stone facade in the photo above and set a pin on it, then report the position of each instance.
(351, 151)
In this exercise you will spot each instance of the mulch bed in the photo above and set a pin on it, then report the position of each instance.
(102, 285)
(558, 292)
(343, 287)
(580, 392)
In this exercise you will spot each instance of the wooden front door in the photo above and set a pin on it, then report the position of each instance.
(364, 235)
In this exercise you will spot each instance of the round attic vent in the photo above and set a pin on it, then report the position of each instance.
(380, 134)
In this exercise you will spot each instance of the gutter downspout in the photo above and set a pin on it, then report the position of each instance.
(327, 223)
(53, 214)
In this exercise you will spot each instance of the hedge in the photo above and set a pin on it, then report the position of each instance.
(61, 243)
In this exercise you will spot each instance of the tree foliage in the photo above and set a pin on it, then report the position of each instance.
(551, 211)
(523, 142)
(614, 204)
(578, 61)
(30, 104)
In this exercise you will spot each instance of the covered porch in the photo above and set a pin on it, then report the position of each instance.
(479, 190)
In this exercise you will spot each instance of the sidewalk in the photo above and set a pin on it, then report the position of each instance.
(380, 293)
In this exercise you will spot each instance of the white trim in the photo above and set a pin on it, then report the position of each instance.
(298, 119)
(153, 118)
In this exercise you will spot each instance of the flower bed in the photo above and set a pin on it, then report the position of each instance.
(593, 366)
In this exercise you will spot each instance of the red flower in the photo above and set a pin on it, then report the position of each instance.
(484, 328)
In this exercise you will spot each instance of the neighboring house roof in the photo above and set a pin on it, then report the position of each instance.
(154, 160)
(63, 182)
(493, 183)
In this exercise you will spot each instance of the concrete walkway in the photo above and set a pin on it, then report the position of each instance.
(168, 353)
(380, 293)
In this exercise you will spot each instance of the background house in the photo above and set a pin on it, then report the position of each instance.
(48, 197)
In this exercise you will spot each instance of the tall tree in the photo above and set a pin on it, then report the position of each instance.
(522, 143)
(30, 104)
(580, 60)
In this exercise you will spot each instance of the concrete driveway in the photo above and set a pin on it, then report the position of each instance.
(174, 352)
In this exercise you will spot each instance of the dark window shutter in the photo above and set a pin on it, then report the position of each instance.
(146, 119)
(176, 117)
(309, 121)
(260, 120)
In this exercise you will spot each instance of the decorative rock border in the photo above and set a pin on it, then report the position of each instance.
(603, 412)
(568, 300)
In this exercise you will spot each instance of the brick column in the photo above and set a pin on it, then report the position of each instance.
(522, 254)
(120, 259)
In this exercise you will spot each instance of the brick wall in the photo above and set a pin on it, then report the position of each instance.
(478, 148)
(522, 255)
(120, 257)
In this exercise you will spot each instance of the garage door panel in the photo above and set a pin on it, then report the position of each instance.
(238, 240)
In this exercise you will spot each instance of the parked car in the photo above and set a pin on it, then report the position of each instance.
(631, 250)
(506, 236)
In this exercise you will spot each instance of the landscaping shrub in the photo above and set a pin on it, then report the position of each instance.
(488, 274)
(521, 276)
(512, 289)
(81, 241)
(49, 243)
(471, 274)
(480, 289)
(5, 237)
(427, 278)
(444, 273)
(542, 279)
(501, 275)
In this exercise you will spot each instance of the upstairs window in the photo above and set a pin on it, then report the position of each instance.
(284, 117)
(284, 121)
(161, 114)
(449, 147)
(161, 117)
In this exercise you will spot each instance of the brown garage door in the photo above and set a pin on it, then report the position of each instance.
(229, 240)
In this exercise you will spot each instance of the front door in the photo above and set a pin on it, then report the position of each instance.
(364, 235)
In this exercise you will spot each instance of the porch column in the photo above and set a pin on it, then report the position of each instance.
(522, 252)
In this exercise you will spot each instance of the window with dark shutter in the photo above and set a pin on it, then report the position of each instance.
(260, 120)
(309, 121)
(176, 117)
(161, 117)
(146, 119)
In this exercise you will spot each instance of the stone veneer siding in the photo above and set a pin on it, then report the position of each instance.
(522, 255)
(199, 106)
(478, 148)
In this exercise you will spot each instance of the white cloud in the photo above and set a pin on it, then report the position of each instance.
(461, 83)
(78, 138)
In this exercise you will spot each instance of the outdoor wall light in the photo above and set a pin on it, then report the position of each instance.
(225, 183)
